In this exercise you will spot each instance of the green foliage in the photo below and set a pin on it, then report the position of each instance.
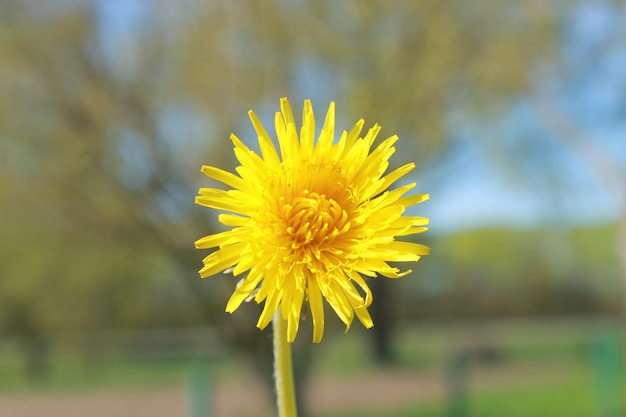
(490, 272)
(502, 251)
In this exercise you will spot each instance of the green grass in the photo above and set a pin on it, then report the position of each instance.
(566, 398)
(571, 397)
(72, 374)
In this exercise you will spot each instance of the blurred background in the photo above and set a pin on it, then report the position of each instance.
(515, 113)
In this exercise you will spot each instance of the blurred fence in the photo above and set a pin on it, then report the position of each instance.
(466, 363)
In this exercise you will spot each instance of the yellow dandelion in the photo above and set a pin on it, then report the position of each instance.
(308, 225)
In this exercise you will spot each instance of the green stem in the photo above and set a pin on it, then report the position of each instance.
(283, 373)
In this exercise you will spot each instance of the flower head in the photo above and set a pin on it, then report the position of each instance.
(308, 224)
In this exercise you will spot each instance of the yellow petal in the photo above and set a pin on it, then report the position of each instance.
(219, 260)
(307, 132)
(271, 304)
(250, 162)
(265, 142)
(413, 199)
(338, 301)
(232, 220)
(295, 307)
(220, 203)
(409, 247)
(223, 176)
(287, 139)
(376, 162)
(244, 290)
(317, 309)
(354, 276)
(393, 176)
(285, 109)
(352, 137)
(325, 140)
(223, 238)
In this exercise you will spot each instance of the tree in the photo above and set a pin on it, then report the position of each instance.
(112, 110)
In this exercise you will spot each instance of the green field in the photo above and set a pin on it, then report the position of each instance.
(570, 399)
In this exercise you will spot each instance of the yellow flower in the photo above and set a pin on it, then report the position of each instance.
(310, 223)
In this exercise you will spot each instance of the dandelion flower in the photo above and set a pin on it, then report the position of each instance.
(310, 223)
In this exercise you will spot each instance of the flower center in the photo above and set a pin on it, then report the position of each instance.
(313, 222)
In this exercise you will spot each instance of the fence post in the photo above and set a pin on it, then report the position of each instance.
(456, 384)
(199, 388)
(607, 373)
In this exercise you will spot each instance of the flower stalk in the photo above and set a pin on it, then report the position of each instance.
(283, 369)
